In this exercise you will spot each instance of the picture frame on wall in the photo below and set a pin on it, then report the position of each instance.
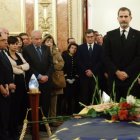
(12, 15)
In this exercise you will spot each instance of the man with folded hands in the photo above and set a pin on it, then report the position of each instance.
(6, 88)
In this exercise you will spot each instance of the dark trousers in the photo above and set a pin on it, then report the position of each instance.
(4, 117)
(87, 86)
(121, 91)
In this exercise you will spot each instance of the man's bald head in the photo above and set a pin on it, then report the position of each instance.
(4, 30)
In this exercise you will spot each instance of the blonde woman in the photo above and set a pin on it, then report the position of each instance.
(58, 65)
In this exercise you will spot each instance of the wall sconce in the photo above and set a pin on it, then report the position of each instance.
(44, 20)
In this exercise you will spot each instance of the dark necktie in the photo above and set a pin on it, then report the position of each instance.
(39, 53)
(123, 38)
(90, 50)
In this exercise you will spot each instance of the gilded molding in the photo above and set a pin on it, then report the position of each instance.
(54, 21)
(76, 20)
(36, 14)
(23, 26)
(45, 16)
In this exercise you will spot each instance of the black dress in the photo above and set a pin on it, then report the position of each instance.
(71, 90)
(19, 99)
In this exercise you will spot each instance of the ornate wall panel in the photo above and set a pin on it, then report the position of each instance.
(45, 16)
(12, 15)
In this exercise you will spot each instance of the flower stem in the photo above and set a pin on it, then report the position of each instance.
(130, 88)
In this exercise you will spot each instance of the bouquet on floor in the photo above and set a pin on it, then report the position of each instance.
(126, 110)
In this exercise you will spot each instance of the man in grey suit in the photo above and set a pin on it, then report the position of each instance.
(122, 55)
(40, 60)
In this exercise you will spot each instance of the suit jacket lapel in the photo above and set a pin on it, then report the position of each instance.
(34, 53)
(5, 61)
(130, 34)
(118, 36)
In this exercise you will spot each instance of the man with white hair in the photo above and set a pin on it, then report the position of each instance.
(40, 60)
(4, 30)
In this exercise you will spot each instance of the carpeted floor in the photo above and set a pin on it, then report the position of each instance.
(43, 134)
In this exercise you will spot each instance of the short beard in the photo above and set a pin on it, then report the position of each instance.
(124, 25)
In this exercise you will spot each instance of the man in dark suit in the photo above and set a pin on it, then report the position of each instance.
(122, 55)
(40, 60)
(89, 63)
(6, 85)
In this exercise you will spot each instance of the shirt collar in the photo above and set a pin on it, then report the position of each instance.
(37, 47)
(127, 29)
(91, 45)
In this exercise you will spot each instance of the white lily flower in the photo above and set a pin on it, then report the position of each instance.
(105, 97)
(131, 99)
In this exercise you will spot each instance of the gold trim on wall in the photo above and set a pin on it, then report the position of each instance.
(22, 18)
(36, 14)
(54, 21)
(45, 10)
(77, 20)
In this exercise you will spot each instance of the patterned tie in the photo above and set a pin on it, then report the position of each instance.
(90, 50)
(123, 38)
(39, 53)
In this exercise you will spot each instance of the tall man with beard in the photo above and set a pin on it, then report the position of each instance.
(122, 55)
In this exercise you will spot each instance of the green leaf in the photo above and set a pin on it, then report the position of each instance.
(137, 103)
(122, 100)
(112, 111)
(92, 113)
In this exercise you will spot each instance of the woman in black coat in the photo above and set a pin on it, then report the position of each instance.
(70, 71)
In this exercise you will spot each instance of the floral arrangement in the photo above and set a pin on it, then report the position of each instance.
(126, 110)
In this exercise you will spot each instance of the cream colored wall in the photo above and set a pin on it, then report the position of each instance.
(76, 20)
(103, 14)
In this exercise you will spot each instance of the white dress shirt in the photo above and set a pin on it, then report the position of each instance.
(126, 32)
